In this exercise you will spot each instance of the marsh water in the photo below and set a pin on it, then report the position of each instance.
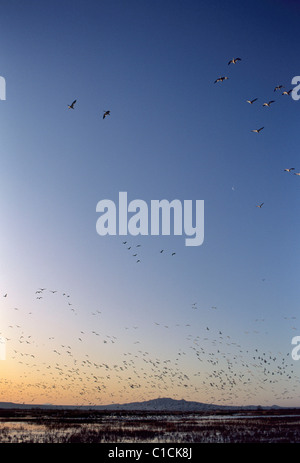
(37, 426)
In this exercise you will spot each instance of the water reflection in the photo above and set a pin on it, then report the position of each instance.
(158, 428)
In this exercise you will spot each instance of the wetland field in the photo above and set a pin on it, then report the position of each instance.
(64, 426)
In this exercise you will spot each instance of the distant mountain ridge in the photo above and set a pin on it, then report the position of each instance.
(167, 404)
(159, 404)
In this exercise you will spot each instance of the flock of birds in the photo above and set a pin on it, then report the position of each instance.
(266, 104)
(250, 101)
(206, 361)
(132, 248)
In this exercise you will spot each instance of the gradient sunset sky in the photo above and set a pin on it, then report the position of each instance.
(83, 321)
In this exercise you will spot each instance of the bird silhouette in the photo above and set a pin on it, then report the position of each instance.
(251, 101)
(234, 61)
(221, 79)
(278, 87)
(106, 113)
(268, 104)
(71, 106)
(257, 130)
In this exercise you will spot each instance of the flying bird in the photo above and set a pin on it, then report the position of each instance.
(71, 106)
(106, 113)
(289, 170)
(234, 60)
(257, 130)
(251, 101)
(220, 79)
(297, 173)
(287, 93)
(260, 205)
(278, 87)
(268, 104)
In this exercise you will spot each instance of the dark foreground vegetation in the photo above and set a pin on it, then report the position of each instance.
(89, 426)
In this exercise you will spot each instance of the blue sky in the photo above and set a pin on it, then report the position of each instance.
(172, 134)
